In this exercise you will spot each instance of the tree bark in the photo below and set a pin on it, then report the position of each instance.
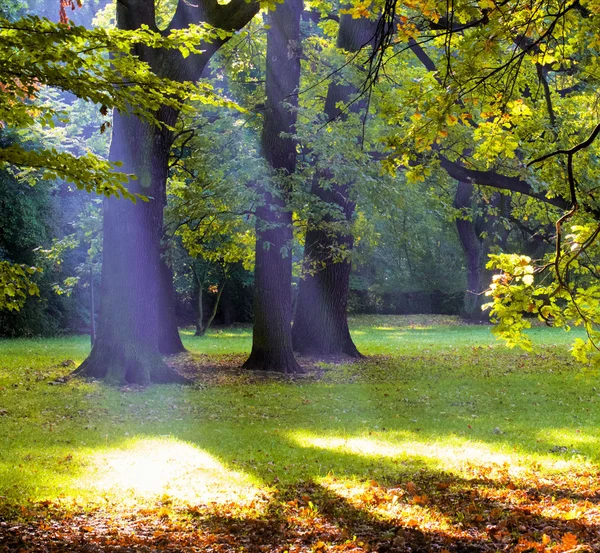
(476, 251)
(134, 290)
(126, 348)
(200, 330)
(321, 322)
(272, 339)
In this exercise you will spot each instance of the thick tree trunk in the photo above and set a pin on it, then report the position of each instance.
(272, 339)
(476, 251)
(321, 322)
(126, 348)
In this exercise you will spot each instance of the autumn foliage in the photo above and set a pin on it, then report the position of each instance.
(64, 4)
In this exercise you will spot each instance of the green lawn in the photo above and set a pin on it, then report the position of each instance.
(434, 402)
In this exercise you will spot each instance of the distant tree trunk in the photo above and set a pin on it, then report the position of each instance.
(200, 330)
(476, 251)
(215, 308)
(169, 340)
(271, 339)
(200, 301)
(226, 317)
(321, 322)
(133, 288)
(92, 308)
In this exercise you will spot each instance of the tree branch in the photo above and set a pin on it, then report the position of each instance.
(496, 180)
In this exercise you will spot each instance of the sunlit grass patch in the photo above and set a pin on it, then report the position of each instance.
(219, 341)
(449, 454)
(159, 468)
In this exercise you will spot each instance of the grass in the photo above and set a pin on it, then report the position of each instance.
(434, 440)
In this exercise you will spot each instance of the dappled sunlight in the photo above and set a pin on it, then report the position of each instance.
(395, 335)
(452, 454)
(191, 333)
(159, 467)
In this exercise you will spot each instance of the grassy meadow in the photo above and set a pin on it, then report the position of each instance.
(440, 439)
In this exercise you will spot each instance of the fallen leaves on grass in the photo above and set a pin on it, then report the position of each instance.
(223, 370)
(426, 512)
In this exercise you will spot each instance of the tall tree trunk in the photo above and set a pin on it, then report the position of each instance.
(272, 338)
(126, 348)
(476, 250)
(134, 290)
(321, 322)
(92, 309)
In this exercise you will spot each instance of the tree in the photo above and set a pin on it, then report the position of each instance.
(135, 286)
(272, 332)
(320, 322)
(211, 218)
(474, 230)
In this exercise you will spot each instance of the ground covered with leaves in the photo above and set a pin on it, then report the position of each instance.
(441, 440)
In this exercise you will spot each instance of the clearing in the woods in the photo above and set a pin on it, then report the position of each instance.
(441, 439)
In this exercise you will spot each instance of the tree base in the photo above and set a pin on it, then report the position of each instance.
(347, 350)
(170, 343)
(273, 361)
(128, 367)
(316, 341)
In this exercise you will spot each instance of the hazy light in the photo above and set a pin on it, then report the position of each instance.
(567, 437)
